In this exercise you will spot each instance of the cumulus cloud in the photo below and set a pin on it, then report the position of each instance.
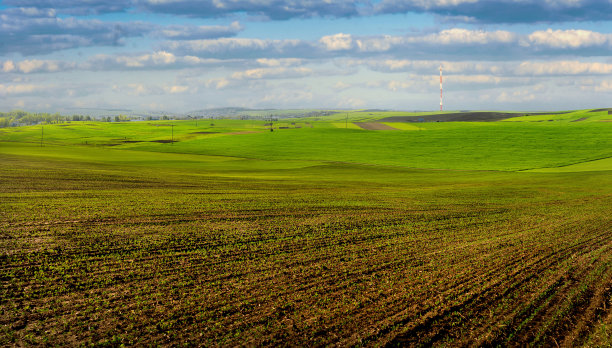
(271, 73)
(32, 31)
(351, 102)
(20, 89)
(148, 61)
(287, 96)
(341, 86)
(450, 44)
(218, 83)
(446, 43)
(156, 59)
(563, 68)
(279, 62)
(504, 11)
(35, 31)
(515, 97)
(176, 89)
(271, 9)
(242, 48)
(35, 66)
(480, 11)
(592, 86)
(569, 38)
(75, 7)
(337, 42)
(8, 66)
(138, 89)
(190, 32)
(464, 36)
(402, 65)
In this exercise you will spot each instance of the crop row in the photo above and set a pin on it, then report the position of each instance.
(257, 263)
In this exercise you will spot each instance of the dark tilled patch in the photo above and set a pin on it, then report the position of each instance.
(475, 116)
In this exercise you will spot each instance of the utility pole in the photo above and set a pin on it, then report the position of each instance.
(346, 123)
(172, 127)
(42, 134)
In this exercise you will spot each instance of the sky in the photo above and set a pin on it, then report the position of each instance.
(185, 55)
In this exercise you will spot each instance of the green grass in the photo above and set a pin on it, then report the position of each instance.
(507, 146)
(576, 116)
(307, 237)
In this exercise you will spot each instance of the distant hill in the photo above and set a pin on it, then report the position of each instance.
(238, 112)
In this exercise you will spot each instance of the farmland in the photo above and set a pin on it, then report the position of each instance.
(224, 233)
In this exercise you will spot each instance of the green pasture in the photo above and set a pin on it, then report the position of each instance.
(502, 146)
(575, 116)
(224, 233)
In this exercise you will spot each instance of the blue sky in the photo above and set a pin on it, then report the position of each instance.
(184, 55)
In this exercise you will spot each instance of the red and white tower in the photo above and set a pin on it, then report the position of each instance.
(440, 87)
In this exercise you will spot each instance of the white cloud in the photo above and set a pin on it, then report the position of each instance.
(563, 68)
(337, 42)
(571, 38)
(379, 44)
(35, 66)
(285, 96)
(176, 89)
(137, 89)
(515, 97)
(271, 62)
(464, 36)
(590, 85)
(8, 66)
(396, 85)
(163, 57)
(275, 73)
(351, 102)
(187, 32)
(341, 85)
(155, 59)
(224, 44)
(218, 83)
(19, 89)
(474, 79)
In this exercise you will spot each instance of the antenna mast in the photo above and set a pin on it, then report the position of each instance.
(440, 87)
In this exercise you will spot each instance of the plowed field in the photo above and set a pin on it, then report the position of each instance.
(98, 253)
(374, 126)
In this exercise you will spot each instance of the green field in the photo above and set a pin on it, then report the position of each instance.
(225, 233)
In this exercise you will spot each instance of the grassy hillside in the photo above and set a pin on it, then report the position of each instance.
(311, 236)
(505, 146)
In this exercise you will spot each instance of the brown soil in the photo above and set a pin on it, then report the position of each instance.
(472, 116)
(204, 133)
(163, 141)
(580, 119)
(374, 126)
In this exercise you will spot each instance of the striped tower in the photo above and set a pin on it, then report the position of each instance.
(440, 87)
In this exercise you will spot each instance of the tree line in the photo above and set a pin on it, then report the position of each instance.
(17, 118)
